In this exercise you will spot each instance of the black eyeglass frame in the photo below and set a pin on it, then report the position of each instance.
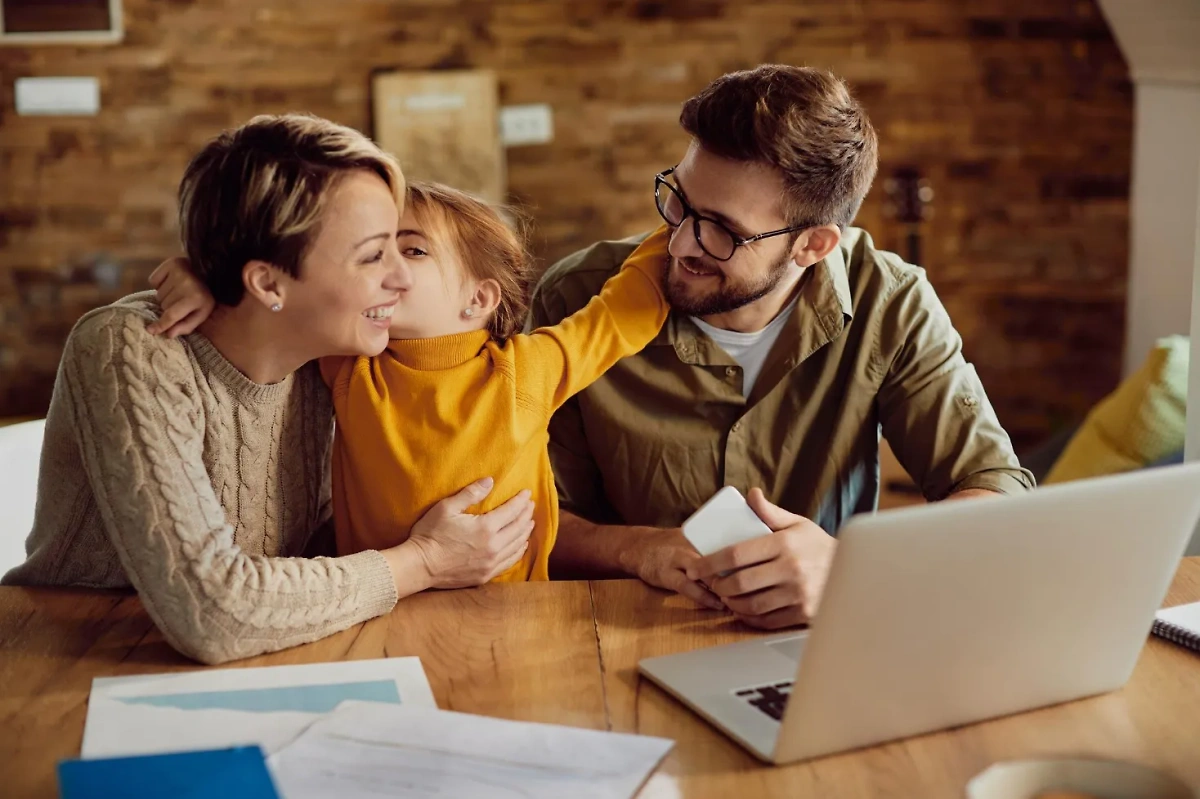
(660, 181)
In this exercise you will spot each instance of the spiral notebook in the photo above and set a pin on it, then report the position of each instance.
(1180, 624)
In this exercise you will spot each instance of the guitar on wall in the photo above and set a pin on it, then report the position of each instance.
(909, 202)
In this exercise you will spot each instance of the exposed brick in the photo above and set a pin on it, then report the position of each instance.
(1063, 28)
(1085, 187)
(1018, 112)
(989, 28)
(676, 9)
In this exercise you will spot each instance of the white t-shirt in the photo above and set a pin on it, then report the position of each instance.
(750, 350)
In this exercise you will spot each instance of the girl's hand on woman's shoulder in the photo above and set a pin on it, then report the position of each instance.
(186, 302)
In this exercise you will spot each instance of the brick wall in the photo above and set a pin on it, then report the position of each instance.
(1017, 111)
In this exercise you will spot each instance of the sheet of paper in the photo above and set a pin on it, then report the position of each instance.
(138, 730)
(210, 709)
(363, 751)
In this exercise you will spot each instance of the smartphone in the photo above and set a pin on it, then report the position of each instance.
(724, 520)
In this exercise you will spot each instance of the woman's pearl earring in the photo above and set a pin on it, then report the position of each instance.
(276, 307)
(469, 312)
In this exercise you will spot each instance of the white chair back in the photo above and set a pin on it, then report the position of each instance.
(20, 459)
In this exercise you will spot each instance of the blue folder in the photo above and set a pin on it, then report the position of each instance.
(238, 773)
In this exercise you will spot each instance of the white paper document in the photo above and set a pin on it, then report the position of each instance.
(212, 709)
(366, 750)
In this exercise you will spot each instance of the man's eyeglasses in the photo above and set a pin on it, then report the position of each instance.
(713, 237)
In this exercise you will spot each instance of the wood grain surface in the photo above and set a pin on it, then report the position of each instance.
(567, 653)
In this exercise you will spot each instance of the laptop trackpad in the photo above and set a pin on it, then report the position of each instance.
(790, 647)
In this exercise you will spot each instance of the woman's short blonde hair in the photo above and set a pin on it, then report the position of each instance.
(257, 193)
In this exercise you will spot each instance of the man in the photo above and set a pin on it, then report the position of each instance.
(792, 343)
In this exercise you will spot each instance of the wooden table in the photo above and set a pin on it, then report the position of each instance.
(566, 653)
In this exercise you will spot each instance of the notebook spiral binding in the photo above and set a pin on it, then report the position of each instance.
(1176, 634)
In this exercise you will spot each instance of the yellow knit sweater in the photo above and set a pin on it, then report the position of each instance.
(428, 417)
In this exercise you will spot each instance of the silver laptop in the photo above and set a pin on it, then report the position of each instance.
(951, 613)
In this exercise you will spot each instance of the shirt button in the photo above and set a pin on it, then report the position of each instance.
(731, 372)
(970, 402)
(737, 426)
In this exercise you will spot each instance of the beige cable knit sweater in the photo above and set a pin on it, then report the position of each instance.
(166, 469)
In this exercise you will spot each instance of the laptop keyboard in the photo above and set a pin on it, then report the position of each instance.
(770, 699)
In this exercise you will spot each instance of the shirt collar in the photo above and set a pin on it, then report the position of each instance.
(839, 275)
(435, 354)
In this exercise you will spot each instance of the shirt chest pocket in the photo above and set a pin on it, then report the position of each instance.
(659, 460)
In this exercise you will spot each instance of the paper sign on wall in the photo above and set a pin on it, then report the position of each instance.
(442, 125)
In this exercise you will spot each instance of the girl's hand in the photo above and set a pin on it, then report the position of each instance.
(185, 301)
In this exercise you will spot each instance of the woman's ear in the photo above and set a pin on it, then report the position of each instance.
(814, 244)
(262, 283)
(485, 299)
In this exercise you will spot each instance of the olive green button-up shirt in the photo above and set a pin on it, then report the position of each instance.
(868, 349)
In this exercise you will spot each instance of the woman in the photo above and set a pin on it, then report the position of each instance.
(197, 469)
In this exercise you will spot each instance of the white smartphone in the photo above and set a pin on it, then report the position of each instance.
(724, 520)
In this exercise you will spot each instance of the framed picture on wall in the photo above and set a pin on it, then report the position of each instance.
(443, 125)
(26, 22)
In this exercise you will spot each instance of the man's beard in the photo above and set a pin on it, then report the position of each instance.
(726, 296)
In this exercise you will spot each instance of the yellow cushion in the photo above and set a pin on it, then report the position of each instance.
(1141, 422)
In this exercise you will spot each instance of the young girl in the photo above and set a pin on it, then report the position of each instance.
(459, 394)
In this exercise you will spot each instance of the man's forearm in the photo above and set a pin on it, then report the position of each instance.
(586, 550)
(974, 493)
